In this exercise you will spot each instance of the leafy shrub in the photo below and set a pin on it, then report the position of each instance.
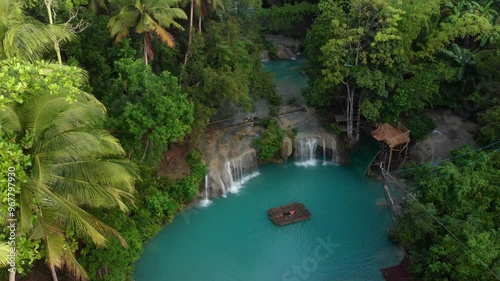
(269, 143)
(335, 128)
(275, 99)
(295, 131)
(419, 126)
(274, 110)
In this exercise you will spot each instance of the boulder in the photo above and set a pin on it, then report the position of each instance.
(286, 148)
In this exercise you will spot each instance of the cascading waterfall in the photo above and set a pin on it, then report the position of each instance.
(238, 171)
(305, 151)
(206, 201)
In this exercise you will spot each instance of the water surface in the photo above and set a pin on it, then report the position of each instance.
(233, 239)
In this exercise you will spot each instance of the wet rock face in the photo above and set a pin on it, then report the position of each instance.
(264, 55)
(286, 48)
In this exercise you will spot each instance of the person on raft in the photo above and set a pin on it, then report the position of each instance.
(289, 213)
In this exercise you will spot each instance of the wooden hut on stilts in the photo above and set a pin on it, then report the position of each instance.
(396, 139)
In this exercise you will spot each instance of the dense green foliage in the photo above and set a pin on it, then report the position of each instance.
(279, 18)
(149, 111)
(419, 126)
(269, 142)
(67, 162)
(223, 66)
(149, 107)
(161, 200)
(80, 206)
(490, 119)
(463, 196)
(25, 37)
(392, 57)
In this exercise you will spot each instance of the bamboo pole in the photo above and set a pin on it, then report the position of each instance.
(390, 160)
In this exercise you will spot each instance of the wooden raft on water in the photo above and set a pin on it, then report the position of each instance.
(276, 214)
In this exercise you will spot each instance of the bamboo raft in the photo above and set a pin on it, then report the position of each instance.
(276, 214)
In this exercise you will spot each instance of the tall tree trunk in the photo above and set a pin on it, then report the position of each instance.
(349, 108)
(199, 23)
(145, 49)
(54, 274)
(48, 4)
(12, 275)
(191, 21)
(358, 118)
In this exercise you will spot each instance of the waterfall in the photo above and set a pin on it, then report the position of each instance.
(305, 151)
(238, 171)
(206, 201)
(223, 186)
(324, 152)
(335, 153)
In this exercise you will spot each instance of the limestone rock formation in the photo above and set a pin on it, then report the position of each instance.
(286, 48)
(452, 132)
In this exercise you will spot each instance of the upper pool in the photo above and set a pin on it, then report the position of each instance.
(232, 239)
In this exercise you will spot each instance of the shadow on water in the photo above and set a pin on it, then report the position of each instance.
(362, 153)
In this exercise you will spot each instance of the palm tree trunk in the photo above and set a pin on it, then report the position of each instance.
(199, 23)
(191, 22)
(48, 4)
(145, 49)
(54, 274)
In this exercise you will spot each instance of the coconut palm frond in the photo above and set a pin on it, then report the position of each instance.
(39, 112)
(80, 221)
(31, 40)
(73, 267)
(10, 120)
(55, 245)
(164, 35)
(4, 251)
(166, 16)
(123, 21)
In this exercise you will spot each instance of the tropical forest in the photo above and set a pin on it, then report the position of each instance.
(249, 140)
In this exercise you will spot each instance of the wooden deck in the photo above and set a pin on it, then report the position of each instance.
(301, 213)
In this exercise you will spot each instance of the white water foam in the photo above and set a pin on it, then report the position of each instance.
(206, 201)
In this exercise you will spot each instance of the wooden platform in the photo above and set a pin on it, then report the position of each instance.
(301, 213)
(390, 135)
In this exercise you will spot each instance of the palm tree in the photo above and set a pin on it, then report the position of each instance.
(74, 164)
(147, 17)
(204, 7)
(24, 37)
